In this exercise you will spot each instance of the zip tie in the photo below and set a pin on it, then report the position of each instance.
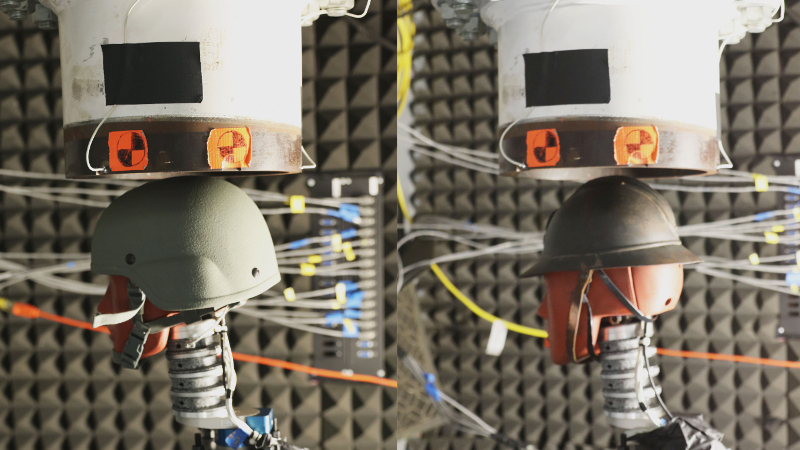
(314, 259)
(308, 270)
(289, 294)
(754, 259)
(778, 228)
(297, 203)
(797, 256)
(761, 182)
(767, 215)
(336, 306)
(341, 293)
(796, 213)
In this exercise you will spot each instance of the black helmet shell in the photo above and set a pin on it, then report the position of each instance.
(611, 222)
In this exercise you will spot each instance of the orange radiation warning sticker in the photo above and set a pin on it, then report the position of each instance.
(544, 150)
(636, 145)
(229, 148)
(127, 150)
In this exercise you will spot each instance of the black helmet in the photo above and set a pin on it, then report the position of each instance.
(611, 222)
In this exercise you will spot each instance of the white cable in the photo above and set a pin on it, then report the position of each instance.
(316, 330)
(544, 21)
(455, 162)
(782, 8)
(729, 163)
(366, 9)
(208, 331)
(88, 147)
(502, 136)
(415, 134)
(230, 377)
(313, 163)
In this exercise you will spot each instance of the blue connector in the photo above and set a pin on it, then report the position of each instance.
(350, 207)
(430, 387)
(349, 233)
(237, 439)
(793, 278)
(262, 422)
(354, 300)
(350, 213)
(350, 285)
(352, 314)
(764, 216)
(334, 318)
(299, 244)
(350, 332)
(793, 190)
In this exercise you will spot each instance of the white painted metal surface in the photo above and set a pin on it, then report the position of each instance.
(662, 56)
(251, 56)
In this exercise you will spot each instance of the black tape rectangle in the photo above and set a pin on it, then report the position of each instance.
(152, 73)
(569, 77)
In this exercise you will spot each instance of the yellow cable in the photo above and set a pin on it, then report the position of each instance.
(480, 312)
(401, 200)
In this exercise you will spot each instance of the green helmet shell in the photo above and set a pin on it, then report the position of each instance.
(188, 243)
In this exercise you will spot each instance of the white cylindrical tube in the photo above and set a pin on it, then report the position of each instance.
(602, 74)
(250, 67)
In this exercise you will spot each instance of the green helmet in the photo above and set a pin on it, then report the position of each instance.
(188, 243)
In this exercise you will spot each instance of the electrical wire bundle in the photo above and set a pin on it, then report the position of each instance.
(405, 51)
(456, 414)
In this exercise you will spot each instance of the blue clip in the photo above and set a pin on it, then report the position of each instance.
(354, 300)
(793, 190)
(349, 212)
(350, 207)
(349, 233)
(351, 332)
(236, 439)
(352, 314)
(764, 216)
(350, 285)
(334, 318)
(793, 278)
(299, 244)
(430, 387)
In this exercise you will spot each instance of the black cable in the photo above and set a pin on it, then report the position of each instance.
(622, 298)
(589, 332)
(506, 441)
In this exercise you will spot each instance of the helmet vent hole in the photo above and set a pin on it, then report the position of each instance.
(130, 258)
(256, 272)
(669, 300)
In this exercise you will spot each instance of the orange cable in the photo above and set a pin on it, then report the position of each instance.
(729, 358)
(29, 311)
(314, 371)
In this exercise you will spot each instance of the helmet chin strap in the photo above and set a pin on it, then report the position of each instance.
(622, 298)
(575, 306)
